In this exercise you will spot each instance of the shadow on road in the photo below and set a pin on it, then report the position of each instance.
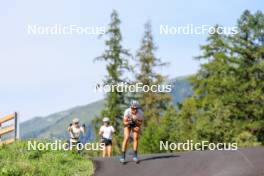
(159, 157)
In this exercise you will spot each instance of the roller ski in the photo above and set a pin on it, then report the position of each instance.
(122, 159)
(135, 159)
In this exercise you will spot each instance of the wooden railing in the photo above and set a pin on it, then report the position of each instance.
(9, 129)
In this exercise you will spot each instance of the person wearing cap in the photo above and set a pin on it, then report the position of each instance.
(75, 130)
(105, 133)
(133, 118)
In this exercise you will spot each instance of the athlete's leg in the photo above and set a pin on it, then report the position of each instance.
(109, 150)
(124, 145)
(135, 138)
(126, 137)
(135, 145)
(104, 150)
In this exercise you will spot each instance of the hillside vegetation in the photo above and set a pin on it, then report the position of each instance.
(16, 160)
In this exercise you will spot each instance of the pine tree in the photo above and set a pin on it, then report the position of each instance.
(229, 88)
(149, 142)
(116, 58)
(153, 104)
(168, 129)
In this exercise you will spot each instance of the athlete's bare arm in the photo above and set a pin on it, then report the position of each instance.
(126, 120)
(69, 129)
(101, 132)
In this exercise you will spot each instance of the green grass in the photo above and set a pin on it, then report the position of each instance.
(17, 160)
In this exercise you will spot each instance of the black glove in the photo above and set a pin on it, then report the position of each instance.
(133, 122)
(83, 125)
(70, 124)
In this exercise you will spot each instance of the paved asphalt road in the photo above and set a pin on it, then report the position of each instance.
(245, 162)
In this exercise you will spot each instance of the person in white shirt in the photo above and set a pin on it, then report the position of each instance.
(133, 118)
(75, 130)
(105, 133)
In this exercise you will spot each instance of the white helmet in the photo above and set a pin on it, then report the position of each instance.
(134, 104)
(106, 119)
(75, 120)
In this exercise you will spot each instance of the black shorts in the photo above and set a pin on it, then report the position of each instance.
(107, 142)
(132, 125)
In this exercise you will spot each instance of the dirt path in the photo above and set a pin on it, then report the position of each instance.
(245, 162)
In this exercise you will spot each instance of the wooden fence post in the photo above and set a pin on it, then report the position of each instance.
(16, 127)
(0, 129)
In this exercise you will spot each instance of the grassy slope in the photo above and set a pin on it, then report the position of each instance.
(17, 160)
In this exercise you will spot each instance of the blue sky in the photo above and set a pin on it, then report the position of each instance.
(40, 75)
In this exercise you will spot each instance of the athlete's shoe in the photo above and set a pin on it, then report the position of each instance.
(122, 159)
(135, 158)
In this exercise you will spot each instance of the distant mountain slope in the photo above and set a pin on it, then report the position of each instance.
(55, 125)
(181, 88)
